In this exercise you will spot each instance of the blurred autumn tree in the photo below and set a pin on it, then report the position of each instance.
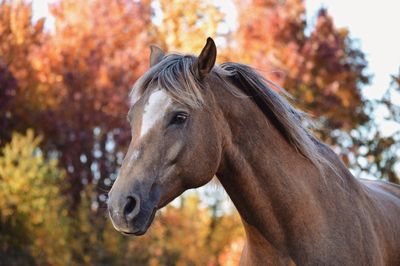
(184, 20)
(317, 64)
(36, 230)
(18, 83)
(32, 213)
(7, 91)
(87, 68)
(180, 236)
(378, 152)
(324, 71)
(390, 167)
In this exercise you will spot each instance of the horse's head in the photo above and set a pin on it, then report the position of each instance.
(175, 142)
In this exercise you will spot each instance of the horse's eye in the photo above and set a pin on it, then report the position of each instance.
(178, 119)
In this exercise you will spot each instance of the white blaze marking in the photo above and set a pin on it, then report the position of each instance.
(154, 110)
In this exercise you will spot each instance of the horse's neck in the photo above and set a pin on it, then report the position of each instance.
(277, 192)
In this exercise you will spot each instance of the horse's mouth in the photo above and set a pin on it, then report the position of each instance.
(143, 230)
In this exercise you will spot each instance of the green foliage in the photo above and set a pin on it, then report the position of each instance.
(32, 211)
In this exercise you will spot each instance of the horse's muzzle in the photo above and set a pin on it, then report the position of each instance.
(129, 215)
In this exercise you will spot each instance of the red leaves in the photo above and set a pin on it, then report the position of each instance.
(322, 70)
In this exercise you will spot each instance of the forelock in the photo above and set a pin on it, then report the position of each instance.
(176, 74)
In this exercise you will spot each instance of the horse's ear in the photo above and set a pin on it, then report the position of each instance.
(156, 55)
(207, 57)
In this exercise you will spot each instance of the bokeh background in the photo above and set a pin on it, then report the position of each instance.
(67, 67)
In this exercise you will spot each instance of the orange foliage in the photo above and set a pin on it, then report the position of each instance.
(231, 254)
(18, 38)
(86, 68)
(323, 70)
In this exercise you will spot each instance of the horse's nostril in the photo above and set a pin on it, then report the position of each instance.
(130, 205)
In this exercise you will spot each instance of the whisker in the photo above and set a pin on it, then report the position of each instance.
(103, 189)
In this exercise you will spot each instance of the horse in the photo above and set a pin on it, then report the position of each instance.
(192, 120)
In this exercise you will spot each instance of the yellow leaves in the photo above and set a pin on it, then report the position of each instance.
(20, 17)
(22, 172)
(189, 234)
(37, 64)
(232, 253)
(186, 24)
(30, 200)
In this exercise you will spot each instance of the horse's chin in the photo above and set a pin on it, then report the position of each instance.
(136, 233)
